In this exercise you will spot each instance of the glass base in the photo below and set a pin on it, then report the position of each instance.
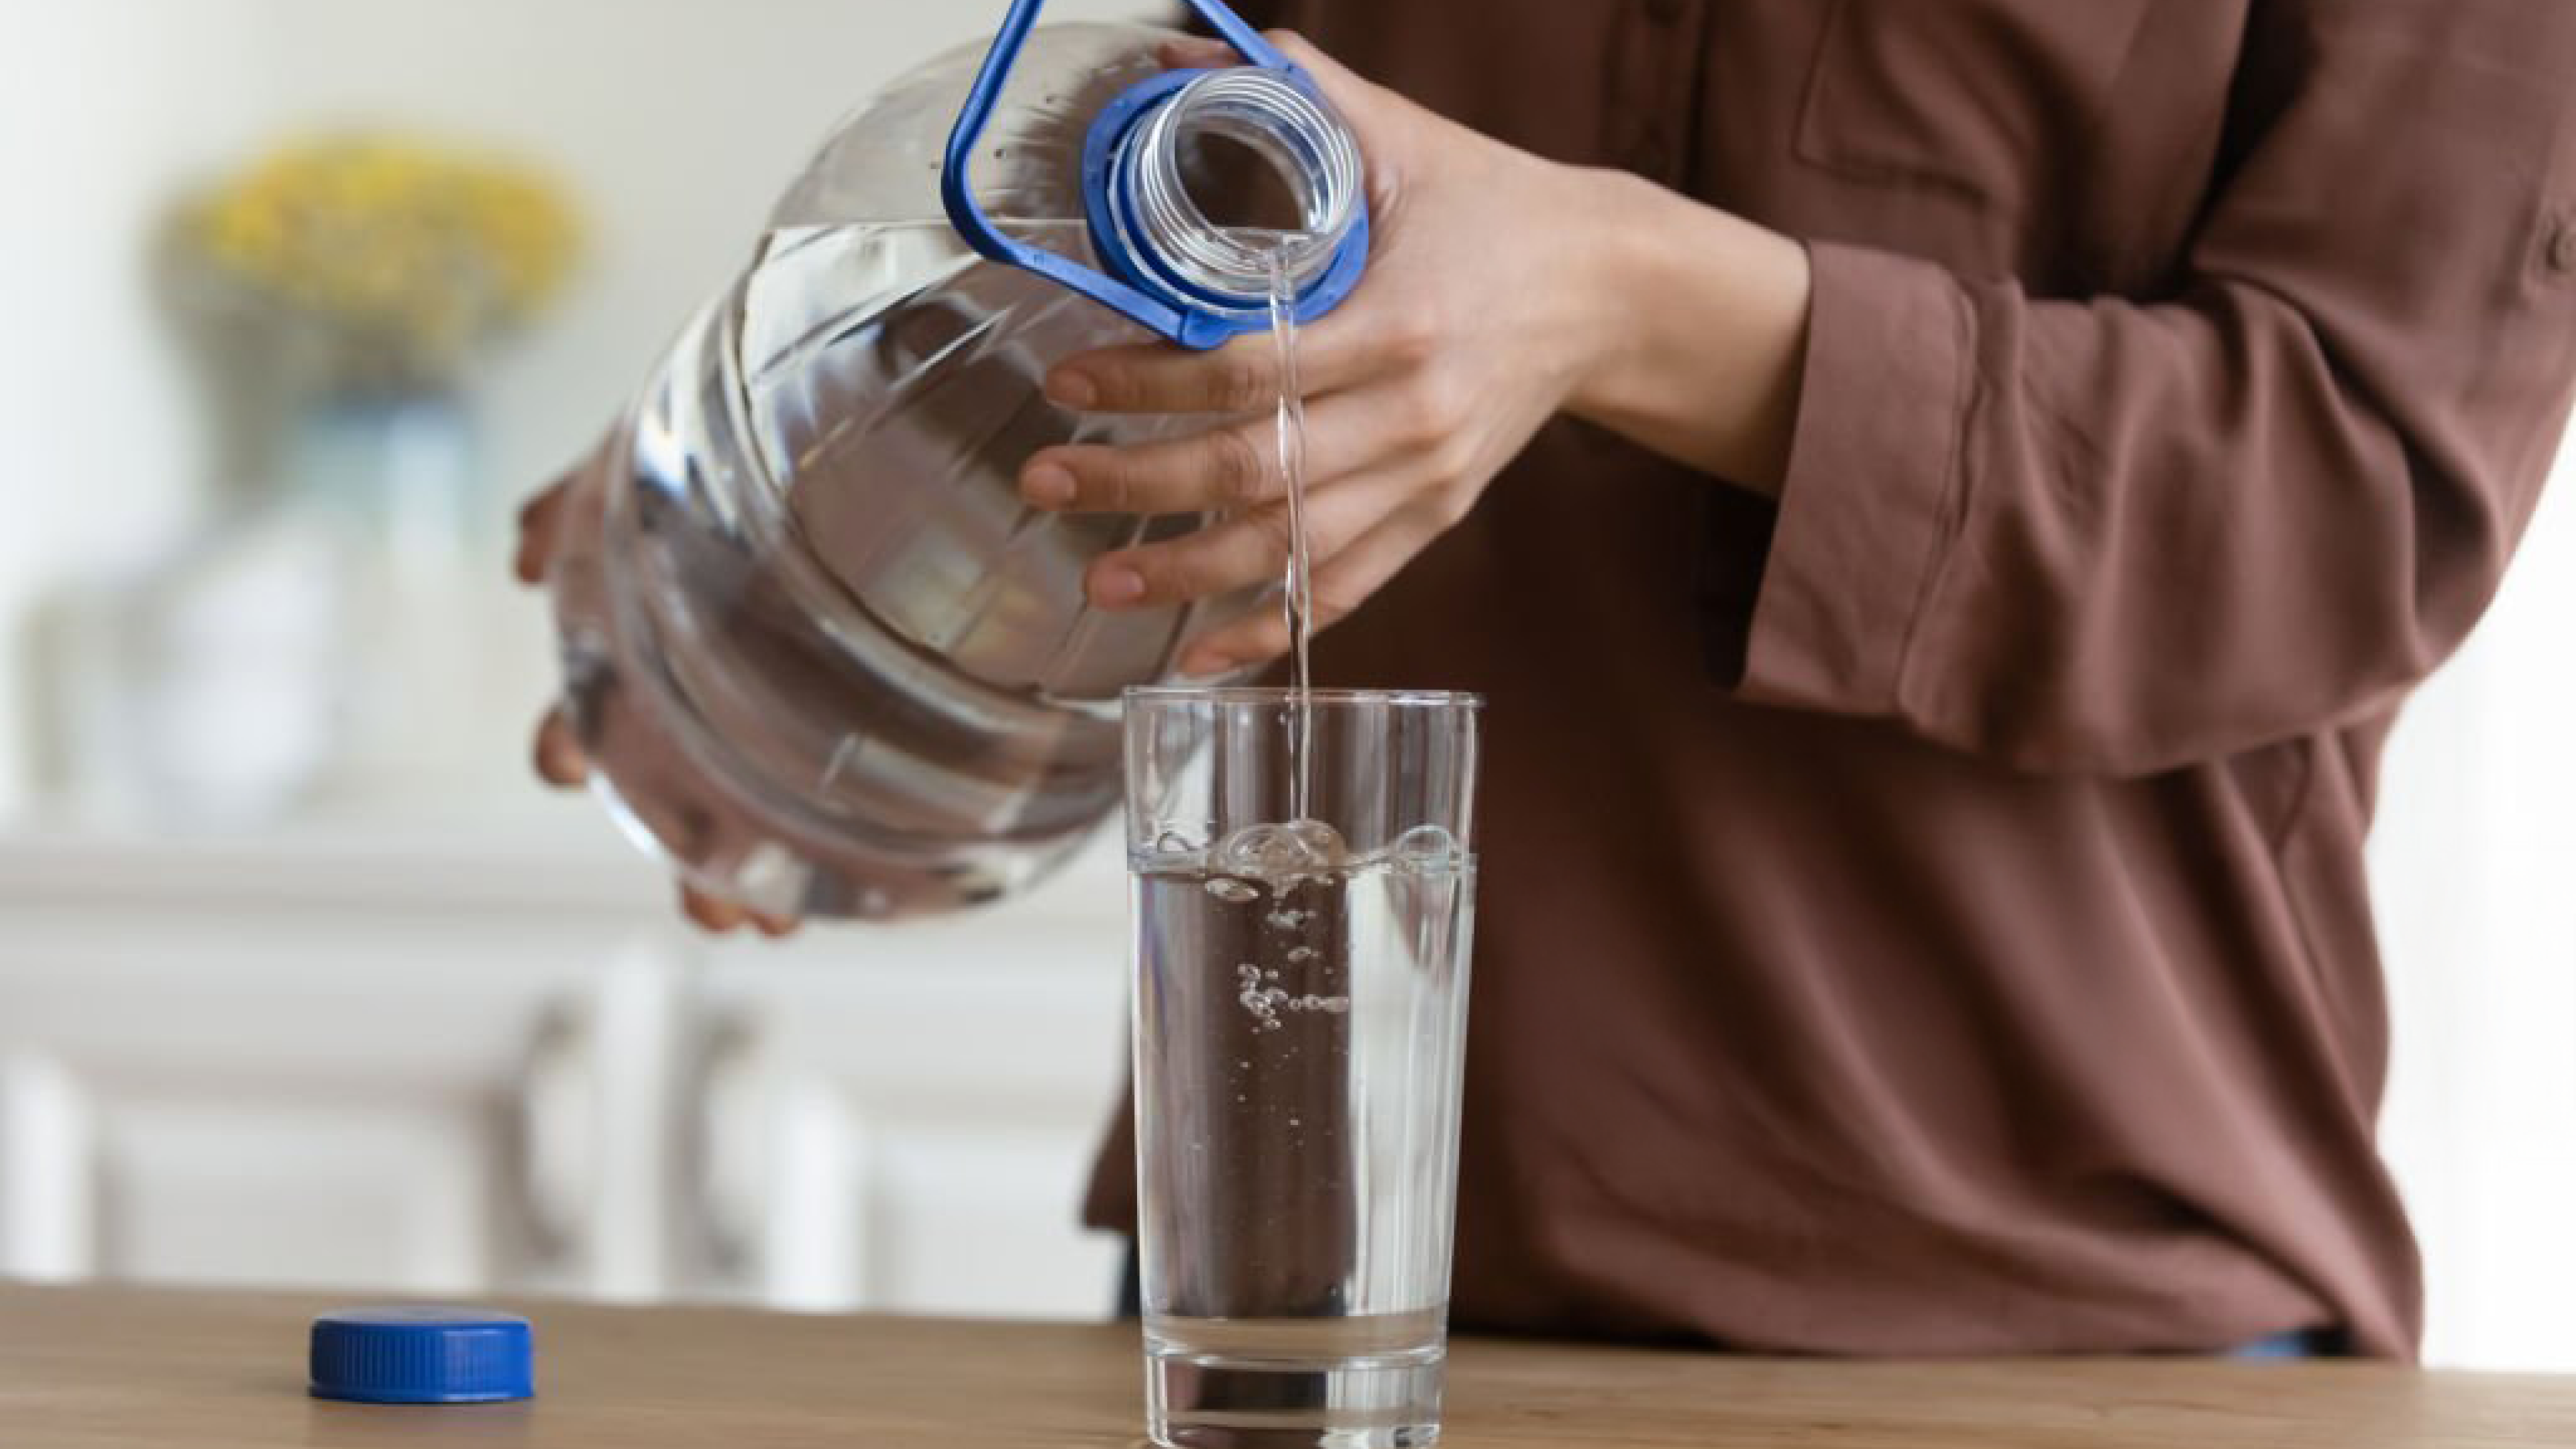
(1213, 1401)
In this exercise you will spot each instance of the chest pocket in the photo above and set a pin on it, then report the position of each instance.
(1999, 99)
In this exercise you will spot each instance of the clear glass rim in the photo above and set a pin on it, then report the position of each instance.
(1263, 694)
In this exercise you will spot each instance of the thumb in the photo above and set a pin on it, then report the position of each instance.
(1341, 85)
(1370, 110)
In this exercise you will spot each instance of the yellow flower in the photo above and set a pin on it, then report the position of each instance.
(401, 243)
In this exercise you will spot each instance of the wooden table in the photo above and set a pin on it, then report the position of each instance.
(96, 1368)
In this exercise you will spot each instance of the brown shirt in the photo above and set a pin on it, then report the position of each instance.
(1929, 916)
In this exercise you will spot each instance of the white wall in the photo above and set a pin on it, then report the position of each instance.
(675, 121)
(2474, 866)
(102, 105)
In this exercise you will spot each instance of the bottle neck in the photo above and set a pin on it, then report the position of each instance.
(1299, 137)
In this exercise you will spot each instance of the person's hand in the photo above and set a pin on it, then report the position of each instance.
(1462, 340)
(1502, 289)
(558, 754)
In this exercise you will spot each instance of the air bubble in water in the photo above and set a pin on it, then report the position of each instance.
(1321, 841)
(1233, 892)
(1270, 1023)
(1301, 953)
(1279, 853)
(1426, 847)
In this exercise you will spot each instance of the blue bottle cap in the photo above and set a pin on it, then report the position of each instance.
(422, 1356)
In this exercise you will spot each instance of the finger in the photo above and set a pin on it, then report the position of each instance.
(1340, 586)
(539, 521)
(558, 756)
(710, 913)
(1343, 350)
(716, 914)
(1195, 53)
(1241, 551)
(1235, 466)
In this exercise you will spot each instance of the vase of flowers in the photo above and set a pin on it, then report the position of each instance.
(341, 292)
(386, 266)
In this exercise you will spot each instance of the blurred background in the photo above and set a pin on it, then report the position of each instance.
(304, 981)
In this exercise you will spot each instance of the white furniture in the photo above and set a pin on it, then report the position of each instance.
(450, 1059)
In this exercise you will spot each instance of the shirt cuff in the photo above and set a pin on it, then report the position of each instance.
(1872, 465)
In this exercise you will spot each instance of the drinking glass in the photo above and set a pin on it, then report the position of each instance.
(1303, 881)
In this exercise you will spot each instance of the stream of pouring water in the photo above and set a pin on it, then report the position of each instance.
(1299, 595)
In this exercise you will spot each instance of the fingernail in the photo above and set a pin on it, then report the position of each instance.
(1116, 586)
(1073, 390)
(1048, 485)
(1205, 666)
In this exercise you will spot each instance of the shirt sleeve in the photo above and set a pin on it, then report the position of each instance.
(2114, 537)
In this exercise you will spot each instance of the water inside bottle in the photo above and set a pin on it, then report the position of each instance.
(846, 670)
(820, 652)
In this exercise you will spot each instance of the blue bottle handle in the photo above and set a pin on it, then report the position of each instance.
(1188, 326)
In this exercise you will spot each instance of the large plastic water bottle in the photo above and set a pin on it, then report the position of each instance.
(822, 657)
